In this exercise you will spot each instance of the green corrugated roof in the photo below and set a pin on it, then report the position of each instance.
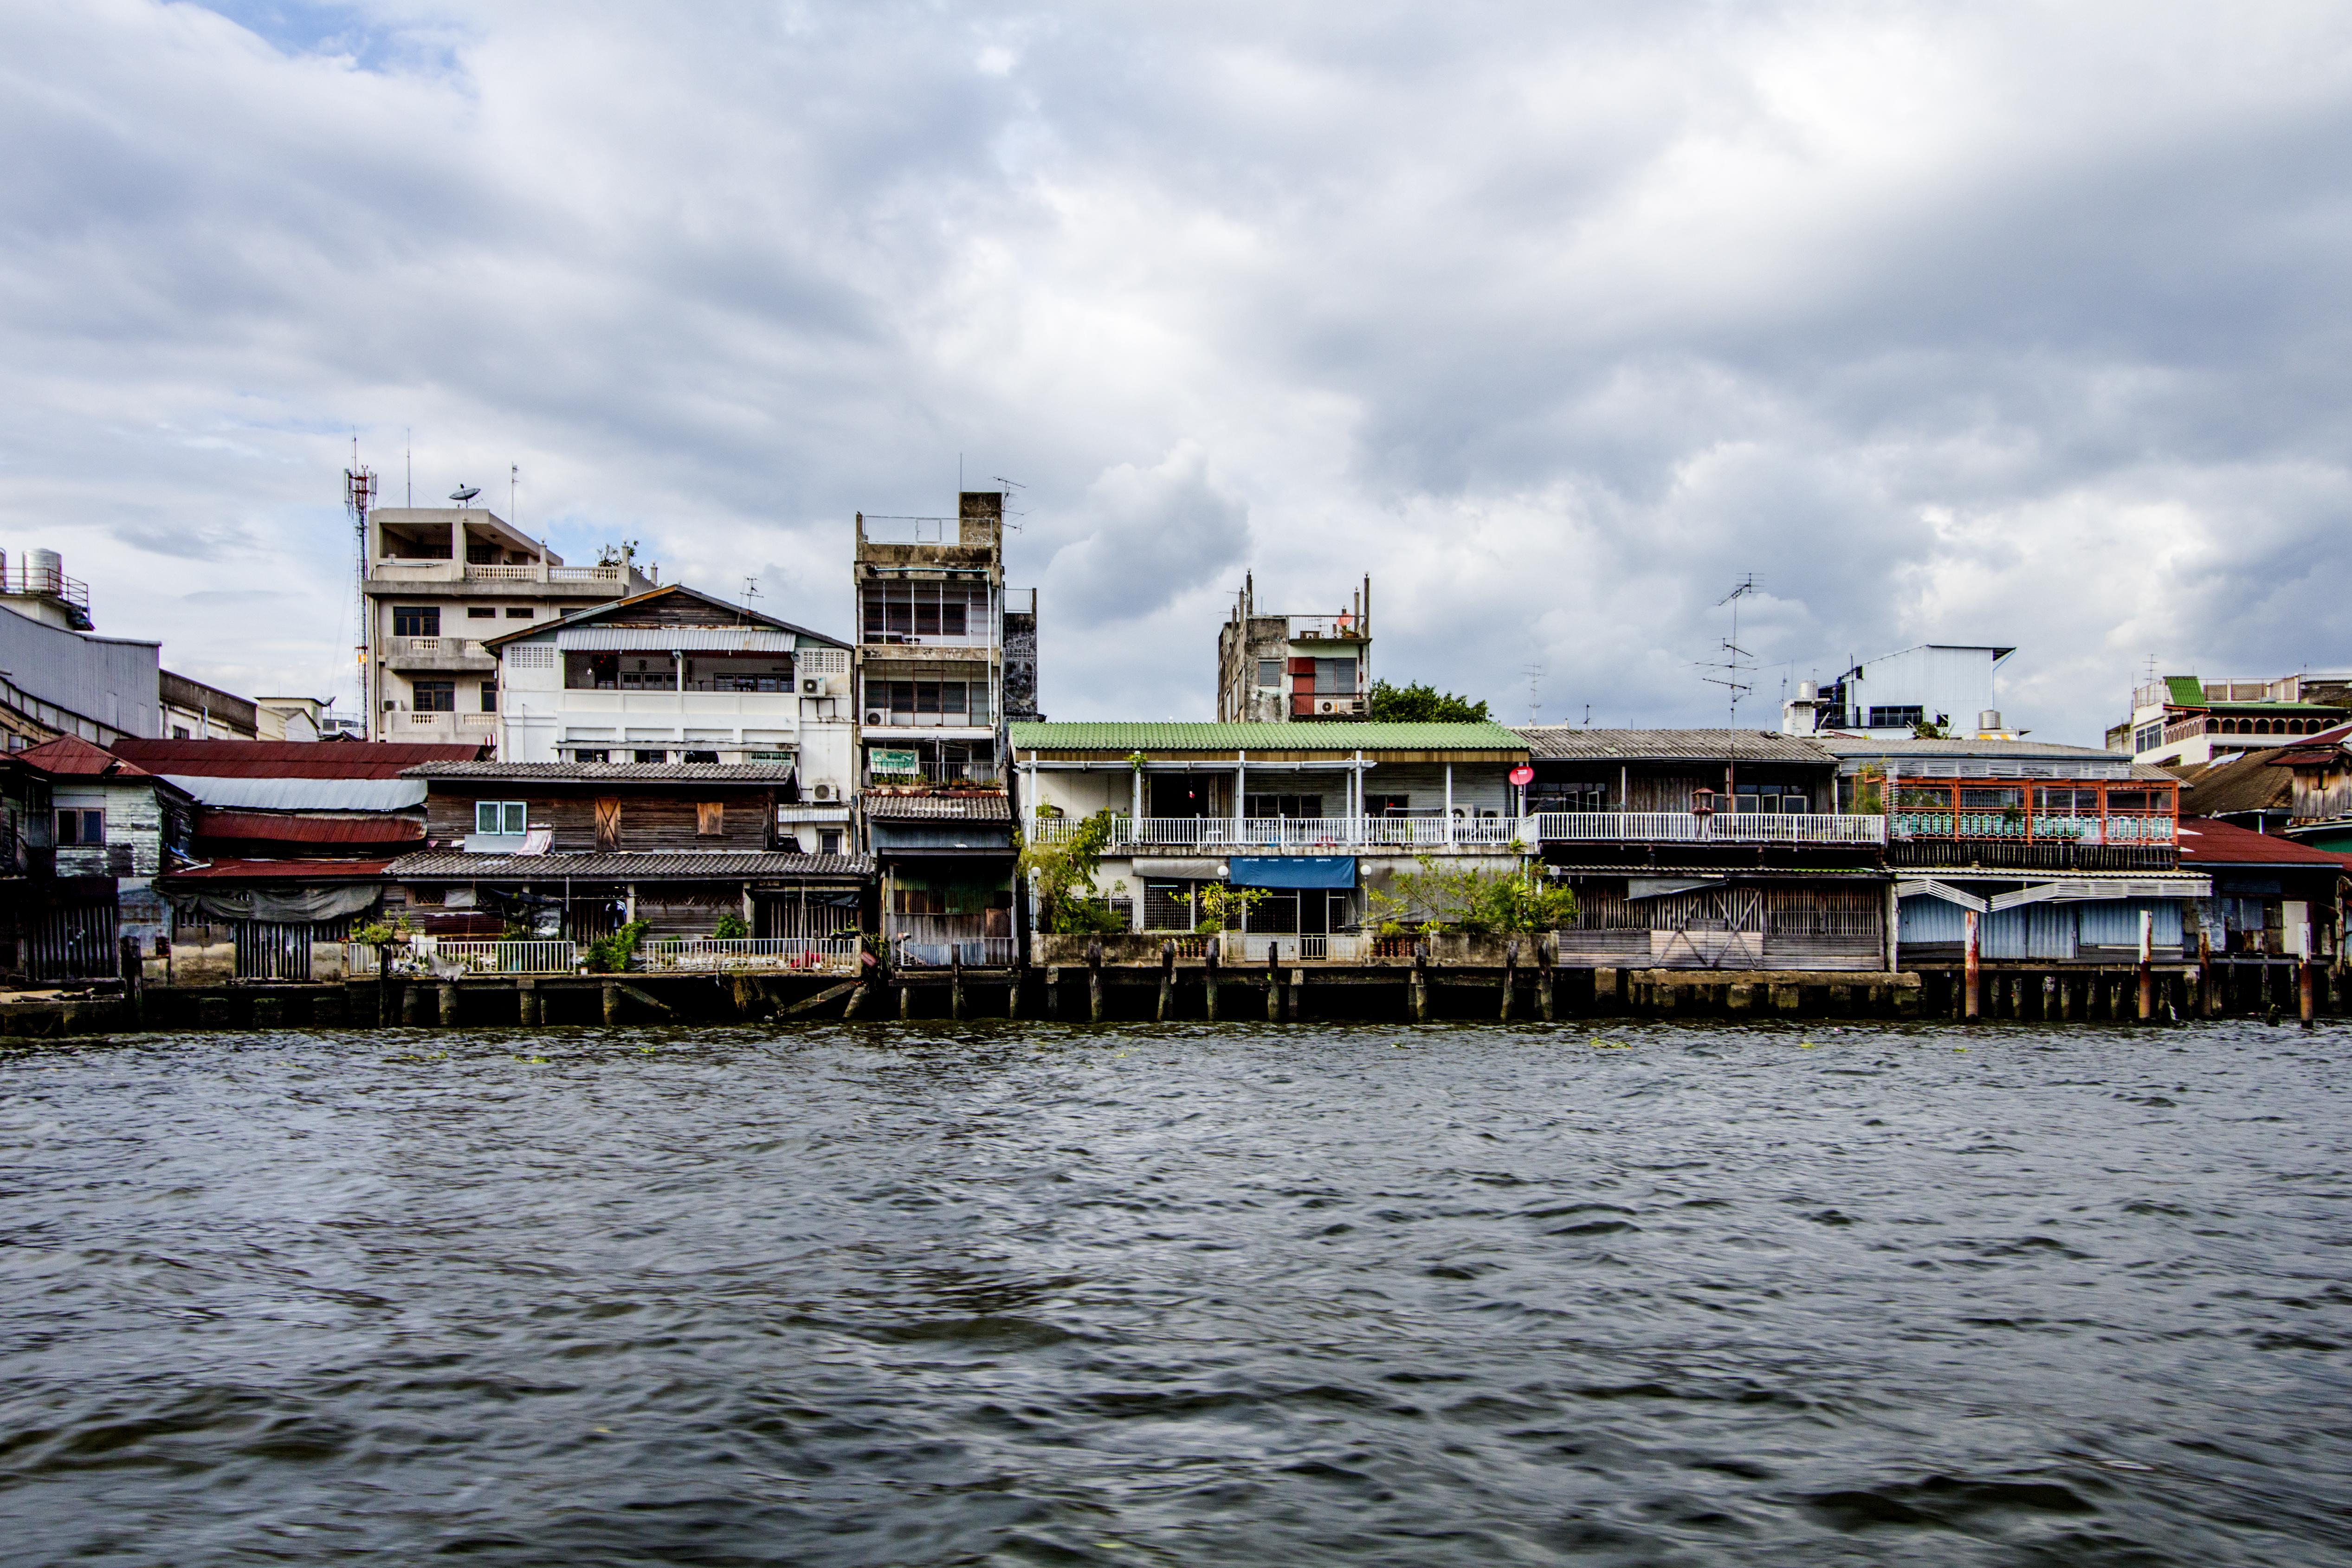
(2186, 690)
(1308, 736)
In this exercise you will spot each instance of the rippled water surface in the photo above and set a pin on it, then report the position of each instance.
(1030, 1294)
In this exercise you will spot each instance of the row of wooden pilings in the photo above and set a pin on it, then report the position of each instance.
(1282, 997)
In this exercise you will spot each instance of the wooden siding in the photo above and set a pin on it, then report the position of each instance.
(646, 821)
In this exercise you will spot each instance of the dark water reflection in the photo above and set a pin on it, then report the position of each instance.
(1041, 1295)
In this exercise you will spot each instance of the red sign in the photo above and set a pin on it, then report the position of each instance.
(1523, 774)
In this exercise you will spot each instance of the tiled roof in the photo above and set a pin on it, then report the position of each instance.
(1563, 742)
(886, 807)
(439, 865)
(2204, 841)
(1336, 736)
(288, 758)
(613, 772)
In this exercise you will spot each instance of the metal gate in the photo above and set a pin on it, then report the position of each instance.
(1715, 928)
(271, 950)
(72, 943)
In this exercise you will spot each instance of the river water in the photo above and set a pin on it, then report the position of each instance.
(1024, 1293)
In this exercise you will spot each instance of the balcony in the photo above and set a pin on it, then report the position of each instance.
(437, 654)
(1292, 835)
(458, 728)
(407, 569)
(1327, 629)
(927, 771)
(1720, 827)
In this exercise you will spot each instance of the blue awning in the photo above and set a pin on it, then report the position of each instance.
(1291, 871)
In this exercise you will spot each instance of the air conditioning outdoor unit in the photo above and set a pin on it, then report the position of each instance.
(825, 792)
(874, 718)
(1325, 704)
(809, 685)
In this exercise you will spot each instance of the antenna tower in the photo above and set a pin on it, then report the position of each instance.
(359, 497)
(1534, 673)
(1738, 677)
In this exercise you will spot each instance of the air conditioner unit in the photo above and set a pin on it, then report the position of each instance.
(390, 705)
(1325, 704)
(874, 718)
(810, 686)
(825, 792)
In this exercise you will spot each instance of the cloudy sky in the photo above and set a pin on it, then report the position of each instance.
(2006, 323)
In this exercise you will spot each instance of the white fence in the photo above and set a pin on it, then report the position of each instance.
(764, 954)
(1722, 828)
(500, 958)
(1252, 947)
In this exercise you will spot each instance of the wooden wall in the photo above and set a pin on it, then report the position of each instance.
(648, 822)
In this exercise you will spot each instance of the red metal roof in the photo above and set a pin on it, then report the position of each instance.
(2320, 747)
(289, 758)
(288, 830)
(282, 871)
(2207, 842)
(69, 756)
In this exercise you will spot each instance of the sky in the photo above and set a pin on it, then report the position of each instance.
(2012, 324)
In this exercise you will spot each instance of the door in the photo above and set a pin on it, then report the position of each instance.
(271, 950)
(608, 825)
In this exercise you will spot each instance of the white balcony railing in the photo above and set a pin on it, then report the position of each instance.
(1300, 835)
(1722, 828)
(437, 647)
(498, 958)
(1253, 947)
(467, 724)
(446, 570)
(764, 955)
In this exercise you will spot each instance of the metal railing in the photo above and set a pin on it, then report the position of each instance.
(2038, 827)
(1253, 947)
(972, 952)
(1303, 835)
(773, 954)
(936, 773)
(500, 958)
(1721, 827)
(38, 582)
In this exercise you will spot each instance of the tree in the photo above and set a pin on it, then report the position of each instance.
(1065, 875)
(1420, 703)
(1472, 903)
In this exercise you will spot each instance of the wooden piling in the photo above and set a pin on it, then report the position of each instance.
(527, 1001)
(1419, 983)
(1209, 980)
(1272, 985)
(1511, 975)
(905, 1003)
(1543, 978)
(1094, 981)
(448, 1005)
(1167, 982)
(611, 1001)
(2307, 997)
(955, 980)
(1970, 1003)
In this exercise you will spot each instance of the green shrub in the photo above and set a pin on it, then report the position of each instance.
(610, 954)
(731, 927)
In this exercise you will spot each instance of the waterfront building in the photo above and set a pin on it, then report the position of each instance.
(1706, 848)
(439, 583)
(1944, 686)
(1272, 668)
(2183, 721)
(674, 675)
(947, 658)
(1313, 816)
(570, 851)
(114, 828)
(2320, 766)
(57, 676)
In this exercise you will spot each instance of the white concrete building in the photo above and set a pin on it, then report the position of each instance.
(672, 675)
(1944, 685)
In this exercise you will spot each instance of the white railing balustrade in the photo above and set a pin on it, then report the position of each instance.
(740, 955)
(1722, 828)
(1300, 835)
(500, 958)
(1247, 947)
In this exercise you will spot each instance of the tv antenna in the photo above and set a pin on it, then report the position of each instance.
(514, 477)
(750, 588)
(1534, 673)
(1738, 667)
(1011, 486)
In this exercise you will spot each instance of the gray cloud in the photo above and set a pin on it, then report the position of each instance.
(2009, 324)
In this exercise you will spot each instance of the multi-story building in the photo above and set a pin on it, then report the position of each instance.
(1272, 668)
(1945, 688)
(440, 582)
(675, 676)
(2183, 721)
(57, 676)
(947, 657)
(194, 711)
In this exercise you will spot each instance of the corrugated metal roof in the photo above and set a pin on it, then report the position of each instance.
(71, 756)
(442, 865)
(963, 807)
(1862, 747)
(281, 871)
(288, 758)
(1574, 743)
(2185, 691)
(2255, 783)
(613, 772)
(2204, 841)
(291, 830)
(1226, 738)
(303, 794)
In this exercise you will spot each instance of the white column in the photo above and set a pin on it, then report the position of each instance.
(1449, 802)
(1241, 788)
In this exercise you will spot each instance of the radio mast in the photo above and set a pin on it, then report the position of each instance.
(359, 497)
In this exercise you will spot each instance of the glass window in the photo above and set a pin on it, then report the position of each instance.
(591, 754)
(653, 756)
(489, 697)
(701, 757)
(416, 621)
(501, 817)
(481, 612)
(436, 696)
(81, 829)
(518, 611)
(1269, 672)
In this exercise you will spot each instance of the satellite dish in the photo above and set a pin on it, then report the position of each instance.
(465, 493)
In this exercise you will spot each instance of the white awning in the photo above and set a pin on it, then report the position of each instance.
(302, 794)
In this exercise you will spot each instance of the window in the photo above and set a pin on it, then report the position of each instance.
(709, 819)
(81, 829)
(489, 697)
(1308, 806)
(591, 754)
(2148, 737)
(1894, 717)
(481, 612)
(1336, 677)
(895, 611)
(828, 841)
(518, 611)
(434, 696)
(1269, 672)
(415, 620)
(1387, 805)
(645, 755)
(179, 732)
(501, 817)
(701, 757)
